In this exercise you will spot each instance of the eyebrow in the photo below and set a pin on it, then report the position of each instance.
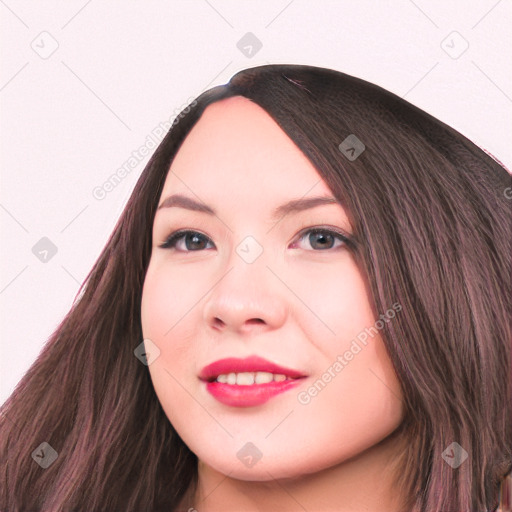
(293, 206)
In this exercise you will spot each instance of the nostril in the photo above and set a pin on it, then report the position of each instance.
(217, 323)
(255, 321)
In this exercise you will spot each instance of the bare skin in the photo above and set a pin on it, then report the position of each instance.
(363, 483)
(298, 304)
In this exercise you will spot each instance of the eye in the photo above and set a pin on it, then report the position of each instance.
(323, 239)
(319, 239)
(193, 241)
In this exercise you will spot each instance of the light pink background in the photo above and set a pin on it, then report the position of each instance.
(71, 118)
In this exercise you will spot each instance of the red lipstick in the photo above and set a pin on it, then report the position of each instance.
(247, 395)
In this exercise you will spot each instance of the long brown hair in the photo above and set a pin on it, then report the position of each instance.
(434, 215)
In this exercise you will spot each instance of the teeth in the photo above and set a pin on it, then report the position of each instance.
(245, 379)
(249, 378)
(263, 377)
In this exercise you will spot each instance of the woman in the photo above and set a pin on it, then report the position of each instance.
(339, 341)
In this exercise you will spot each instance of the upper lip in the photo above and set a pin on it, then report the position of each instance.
(249, 364)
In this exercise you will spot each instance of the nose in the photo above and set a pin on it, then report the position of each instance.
(247, 298)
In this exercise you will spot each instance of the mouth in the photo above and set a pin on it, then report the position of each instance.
(250, 378)
(248, 382)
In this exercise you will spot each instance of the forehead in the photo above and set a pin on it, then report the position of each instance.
(237, 145)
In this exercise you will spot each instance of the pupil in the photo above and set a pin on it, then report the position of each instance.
(315, 237)
(196, 239)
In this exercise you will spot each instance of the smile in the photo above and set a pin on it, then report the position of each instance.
(248, 382)
(251, 378)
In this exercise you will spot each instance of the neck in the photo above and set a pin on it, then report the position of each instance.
(362, 483)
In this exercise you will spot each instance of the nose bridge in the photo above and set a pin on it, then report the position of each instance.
(248, 292)
(248, 262)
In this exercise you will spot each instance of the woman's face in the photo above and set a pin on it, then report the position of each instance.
(252, 282)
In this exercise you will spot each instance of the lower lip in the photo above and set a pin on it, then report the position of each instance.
(249, 396)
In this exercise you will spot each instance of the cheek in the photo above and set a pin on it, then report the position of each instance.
(355, 397)
(366, 390)
(165, 322)
(166, 297)
(165, 312)
(155, 302)
(337, 298)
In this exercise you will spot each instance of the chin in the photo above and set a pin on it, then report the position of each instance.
(268, 467)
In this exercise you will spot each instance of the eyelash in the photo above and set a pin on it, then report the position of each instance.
(173, 238)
